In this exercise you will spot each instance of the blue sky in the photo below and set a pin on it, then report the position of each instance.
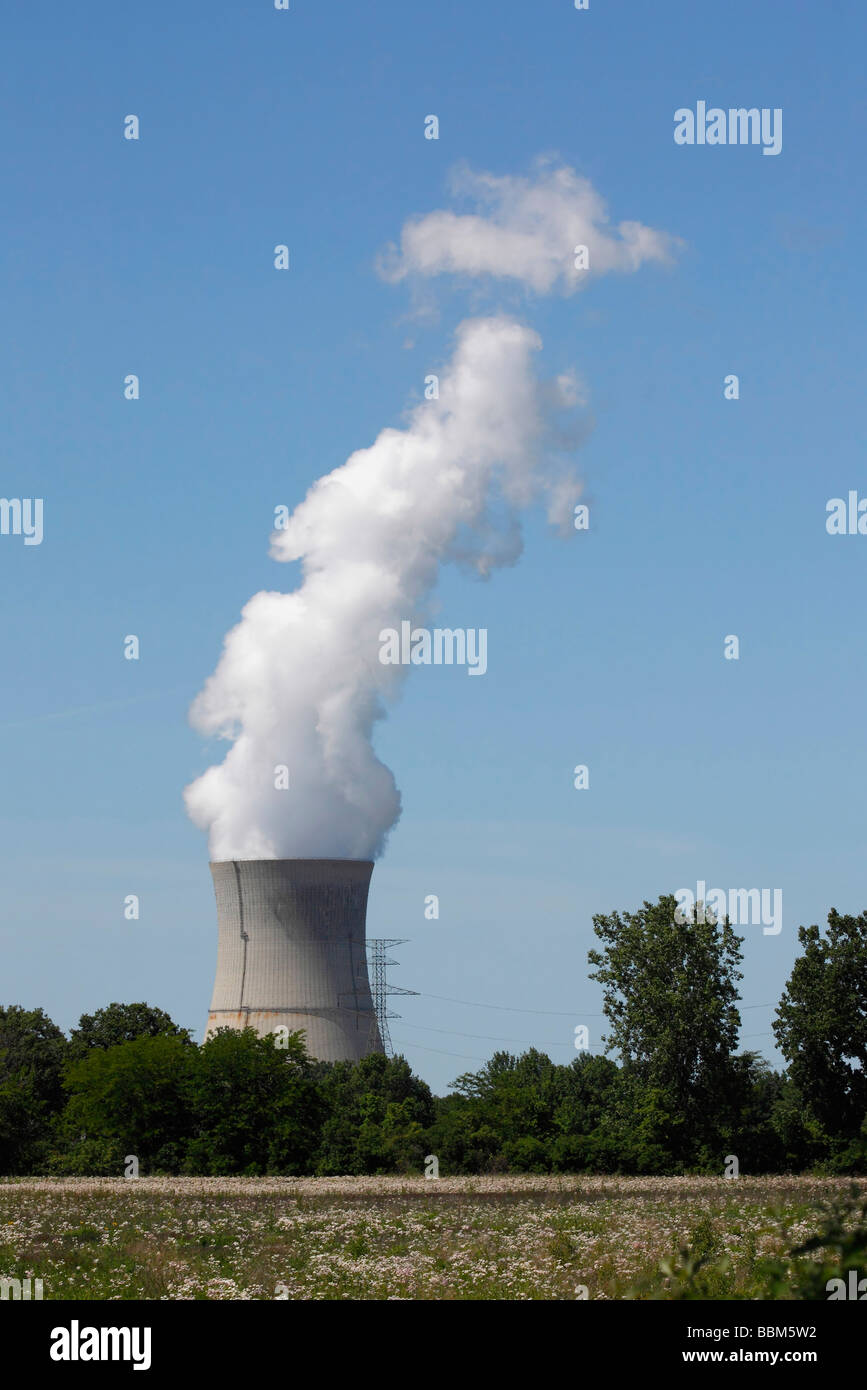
(708, 516)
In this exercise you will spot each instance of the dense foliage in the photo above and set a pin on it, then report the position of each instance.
(129, 1083)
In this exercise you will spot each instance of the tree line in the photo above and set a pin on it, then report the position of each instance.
(672, 1093)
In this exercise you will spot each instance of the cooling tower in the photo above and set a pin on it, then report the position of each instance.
(291, 952)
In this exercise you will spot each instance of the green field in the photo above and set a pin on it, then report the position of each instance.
(398, 1238)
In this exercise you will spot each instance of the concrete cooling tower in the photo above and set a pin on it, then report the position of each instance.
(291, 952)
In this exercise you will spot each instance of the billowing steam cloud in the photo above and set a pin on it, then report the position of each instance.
(300, 682)
(525, 230)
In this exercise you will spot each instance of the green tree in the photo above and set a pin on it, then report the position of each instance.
(463, 1141)
(119, 1023)
(587, 1137)
(821, 1027)
(802, 1140)
(257, 1108)
(32, 1053)
(669, 994)
(515, 1098)
(130, 1099)
(377, 1115)
(754, 1097)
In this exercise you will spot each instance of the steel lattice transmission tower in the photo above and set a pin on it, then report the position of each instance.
(380, 988)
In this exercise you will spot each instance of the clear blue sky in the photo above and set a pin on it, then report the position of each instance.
(708, 517)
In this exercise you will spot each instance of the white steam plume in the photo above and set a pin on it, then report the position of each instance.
(299, 681)
(525, 229)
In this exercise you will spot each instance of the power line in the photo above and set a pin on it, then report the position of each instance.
(507, 1008)
(525, 1042)
(464, 1057)
(549, 1013)
(490, 1037)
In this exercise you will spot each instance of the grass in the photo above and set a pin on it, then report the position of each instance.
(403, 1238)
